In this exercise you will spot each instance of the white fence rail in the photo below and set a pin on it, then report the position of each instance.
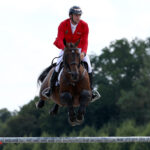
(74, 139)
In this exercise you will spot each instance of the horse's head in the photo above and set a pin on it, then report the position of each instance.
(71, 60)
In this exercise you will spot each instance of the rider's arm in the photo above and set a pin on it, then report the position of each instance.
(84, 39)
(60, 36)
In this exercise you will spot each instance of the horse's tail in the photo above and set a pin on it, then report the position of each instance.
(44, 73)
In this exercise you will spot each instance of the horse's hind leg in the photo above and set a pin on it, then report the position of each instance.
(66, 98)
(84, 99)
(44, 86)
(40, 103)
(54, 110)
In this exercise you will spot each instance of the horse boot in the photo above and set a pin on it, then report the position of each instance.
(53, 79)
(94, 93)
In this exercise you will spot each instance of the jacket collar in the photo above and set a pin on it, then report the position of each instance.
(69, 23)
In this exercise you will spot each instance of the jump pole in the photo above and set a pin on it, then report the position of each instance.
(74, 139)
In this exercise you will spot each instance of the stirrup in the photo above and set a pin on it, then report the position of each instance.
(46, 91)
(96, 95)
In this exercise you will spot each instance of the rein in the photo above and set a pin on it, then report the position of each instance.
(73, 62)
(54, 59)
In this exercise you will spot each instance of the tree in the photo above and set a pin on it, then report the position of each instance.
(4, 114)
(116, 70)
(135, 103)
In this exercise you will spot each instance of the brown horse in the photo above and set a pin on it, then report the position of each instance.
(74, 89)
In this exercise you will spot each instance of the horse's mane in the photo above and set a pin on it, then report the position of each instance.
(44, 73)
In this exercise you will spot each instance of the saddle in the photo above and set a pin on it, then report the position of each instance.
(84, 64)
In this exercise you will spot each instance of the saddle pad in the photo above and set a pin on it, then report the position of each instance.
(58, 80)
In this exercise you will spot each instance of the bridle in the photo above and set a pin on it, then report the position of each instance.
(73, 62)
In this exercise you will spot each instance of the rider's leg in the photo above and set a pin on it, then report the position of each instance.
(59, 60)
(87, 60)
(55, 74)
(94, 93)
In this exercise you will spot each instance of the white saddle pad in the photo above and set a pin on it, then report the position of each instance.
(58, 82)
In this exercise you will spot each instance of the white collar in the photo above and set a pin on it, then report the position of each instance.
(74, 26)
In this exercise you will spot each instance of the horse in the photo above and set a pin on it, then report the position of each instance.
(74, 86)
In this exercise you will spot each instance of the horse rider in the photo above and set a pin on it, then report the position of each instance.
(71, 30)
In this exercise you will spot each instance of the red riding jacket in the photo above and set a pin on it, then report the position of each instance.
(64, 32)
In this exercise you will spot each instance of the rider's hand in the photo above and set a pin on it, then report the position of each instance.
(82, 55)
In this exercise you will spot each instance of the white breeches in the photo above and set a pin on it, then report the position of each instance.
(60, 59)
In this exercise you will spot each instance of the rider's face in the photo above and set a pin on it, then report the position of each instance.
(76, 18)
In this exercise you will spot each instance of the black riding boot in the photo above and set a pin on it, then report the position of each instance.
(91, 85)
(91, 80)
(52, 83)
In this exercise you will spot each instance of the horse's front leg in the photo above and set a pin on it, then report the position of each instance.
(66, 98)
(54, 110)
(84, 99)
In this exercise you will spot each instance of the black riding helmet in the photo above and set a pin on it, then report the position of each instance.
(75, 10)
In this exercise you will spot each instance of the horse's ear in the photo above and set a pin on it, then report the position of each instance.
(67, 45)
(77, 43)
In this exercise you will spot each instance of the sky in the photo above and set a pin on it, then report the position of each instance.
(28, 29)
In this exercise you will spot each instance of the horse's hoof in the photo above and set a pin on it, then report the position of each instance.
(53, 113)
(79, 120)
(72, 123)
(54, 110)
(40, 104)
